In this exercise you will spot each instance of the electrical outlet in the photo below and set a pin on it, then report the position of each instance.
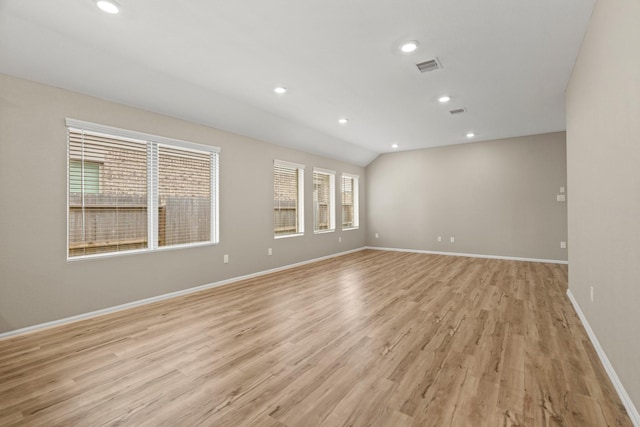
(339, 239)
(563, 245)
(439, 238)
(591, 290)
(226, 259)
(452, 239)
(270, 251)
(377, 236)
(562, 190)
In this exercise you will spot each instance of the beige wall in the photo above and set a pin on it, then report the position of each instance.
(37, 284)
(495, 198)
(603, 147)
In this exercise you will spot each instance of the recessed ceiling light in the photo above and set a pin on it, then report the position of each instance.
(470, 135)
(410, 46)
(280, 90)
(108, 6)
(444, 99)
(394, 145)
(343, 121)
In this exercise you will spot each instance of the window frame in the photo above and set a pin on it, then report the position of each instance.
(152, 142)
(299, 168)
(332, 201)
(356, 200)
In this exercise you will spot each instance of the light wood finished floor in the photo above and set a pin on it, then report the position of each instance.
(371, 338)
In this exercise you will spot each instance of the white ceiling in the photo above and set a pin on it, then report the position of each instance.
(216, 62)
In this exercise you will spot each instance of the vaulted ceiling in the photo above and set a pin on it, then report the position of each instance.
(217, 62)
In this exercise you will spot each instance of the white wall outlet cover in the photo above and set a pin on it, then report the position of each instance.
(563, 245)
(226, 258)
(562, 189)
(377, 235)
(561, 198)
(439, 238)
(452, 240)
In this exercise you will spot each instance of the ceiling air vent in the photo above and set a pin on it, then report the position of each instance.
(429, 65)
(458, 111)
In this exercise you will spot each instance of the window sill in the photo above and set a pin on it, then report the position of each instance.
(324, 231)
(286, 236)
(351, 228)
(138, 251)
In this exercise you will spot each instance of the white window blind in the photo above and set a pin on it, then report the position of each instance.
(129, 194)
(184, 196)
(324, 190)
(350, 214)
(114, 218)
(288, 198)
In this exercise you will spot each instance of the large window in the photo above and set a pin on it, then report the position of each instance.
(324, 195)
(350, 214)
(133, 191)
(288, 199)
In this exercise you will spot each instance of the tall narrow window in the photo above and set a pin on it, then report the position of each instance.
(288, 199)
(133, 191)
(324, 195)
(350, 214)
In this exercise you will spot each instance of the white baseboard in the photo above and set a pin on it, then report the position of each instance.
(626, 400)
(162, 297)
(510, 258)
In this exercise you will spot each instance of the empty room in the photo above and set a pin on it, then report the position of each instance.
(336, 213)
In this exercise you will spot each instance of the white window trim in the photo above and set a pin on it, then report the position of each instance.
(152, 181)
(137, 251)
(300, 168)
(332, 201)
(285, 164)
(215, 197)
(356, 200)
(286, 236)
(324, 171)
(137, 136)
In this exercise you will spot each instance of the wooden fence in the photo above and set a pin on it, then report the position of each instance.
(183, 220)
(108, 223)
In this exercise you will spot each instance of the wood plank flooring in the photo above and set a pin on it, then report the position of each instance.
(371, 338)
